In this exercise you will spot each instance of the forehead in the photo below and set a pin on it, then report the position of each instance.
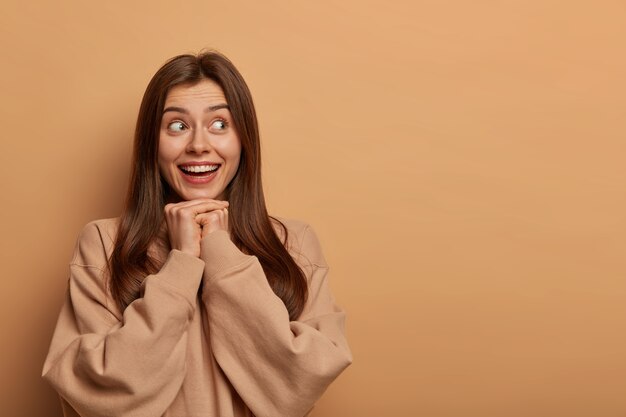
(206, 91)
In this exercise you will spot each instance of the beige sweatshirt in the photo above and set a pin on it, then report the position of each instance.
(224, 348)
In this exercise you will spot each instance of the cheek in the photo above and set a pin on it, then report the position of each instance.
(164, 161)
(235, 155)
(166, 154)
(230, 151)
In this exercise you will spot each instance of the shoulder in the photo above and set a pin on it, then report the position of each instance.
(302, 241)
(95, 243)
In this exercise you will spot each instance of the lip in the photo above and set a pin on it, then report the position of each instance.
(197, 163)
(194, 179)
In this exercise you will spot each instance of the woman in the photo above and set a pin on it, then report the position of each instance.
(196, 302)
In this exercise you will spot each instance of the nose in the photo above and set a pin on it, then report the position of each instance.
(199, 141)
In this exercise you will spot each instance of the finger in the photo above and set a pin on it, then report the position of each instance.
(198, 208)
(208, 218)
(189, 203)
(225, 220)
(204, 216)
(216, 218)
(206, 207)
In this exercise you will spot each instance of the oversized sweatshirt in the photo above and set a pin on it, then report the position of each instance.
(207, 336)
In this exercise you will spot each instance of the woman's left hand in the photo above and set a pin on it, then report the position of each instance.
(213, 220)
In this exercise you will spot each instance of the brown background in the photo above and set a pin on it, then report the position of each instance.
(462, 162)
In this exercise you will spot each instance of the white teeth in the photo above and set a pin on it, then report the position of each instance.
(199, 168)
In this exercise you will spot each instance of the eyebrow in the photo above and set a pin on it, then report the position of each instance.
(185, 111)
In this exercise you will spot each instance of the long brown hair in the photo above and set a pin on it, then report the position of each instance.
(250, 224)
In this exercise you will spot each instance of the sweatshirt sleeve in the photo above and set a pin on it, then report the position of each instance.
(278, 367)
(107, 364)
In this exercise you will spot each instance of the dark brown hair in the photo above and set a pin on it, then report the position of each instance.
(250, 224)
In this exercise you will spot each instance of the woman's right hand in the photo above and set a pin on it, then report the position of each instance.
(183, 229)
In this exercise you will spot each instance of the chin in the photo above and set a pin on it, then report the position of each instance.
(193, 195)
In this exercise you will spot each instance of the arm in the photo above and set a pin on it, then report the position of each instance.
(105, 364)
(279, 367)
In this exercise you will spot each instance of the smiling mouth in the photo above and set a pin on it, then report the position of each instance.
(198, 170)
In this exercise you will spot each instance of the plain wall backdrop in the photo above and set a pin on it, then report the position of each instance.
(461, 161)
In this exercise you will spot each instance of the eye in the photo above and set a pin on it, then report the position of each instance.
(176, 126)
(219, 124)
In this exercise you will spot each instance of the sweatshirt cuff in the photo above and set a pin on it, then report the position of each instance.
(183, 272)
(220, 253)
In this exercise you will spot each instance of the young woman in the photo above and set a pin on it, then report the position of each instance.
(195, 302)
